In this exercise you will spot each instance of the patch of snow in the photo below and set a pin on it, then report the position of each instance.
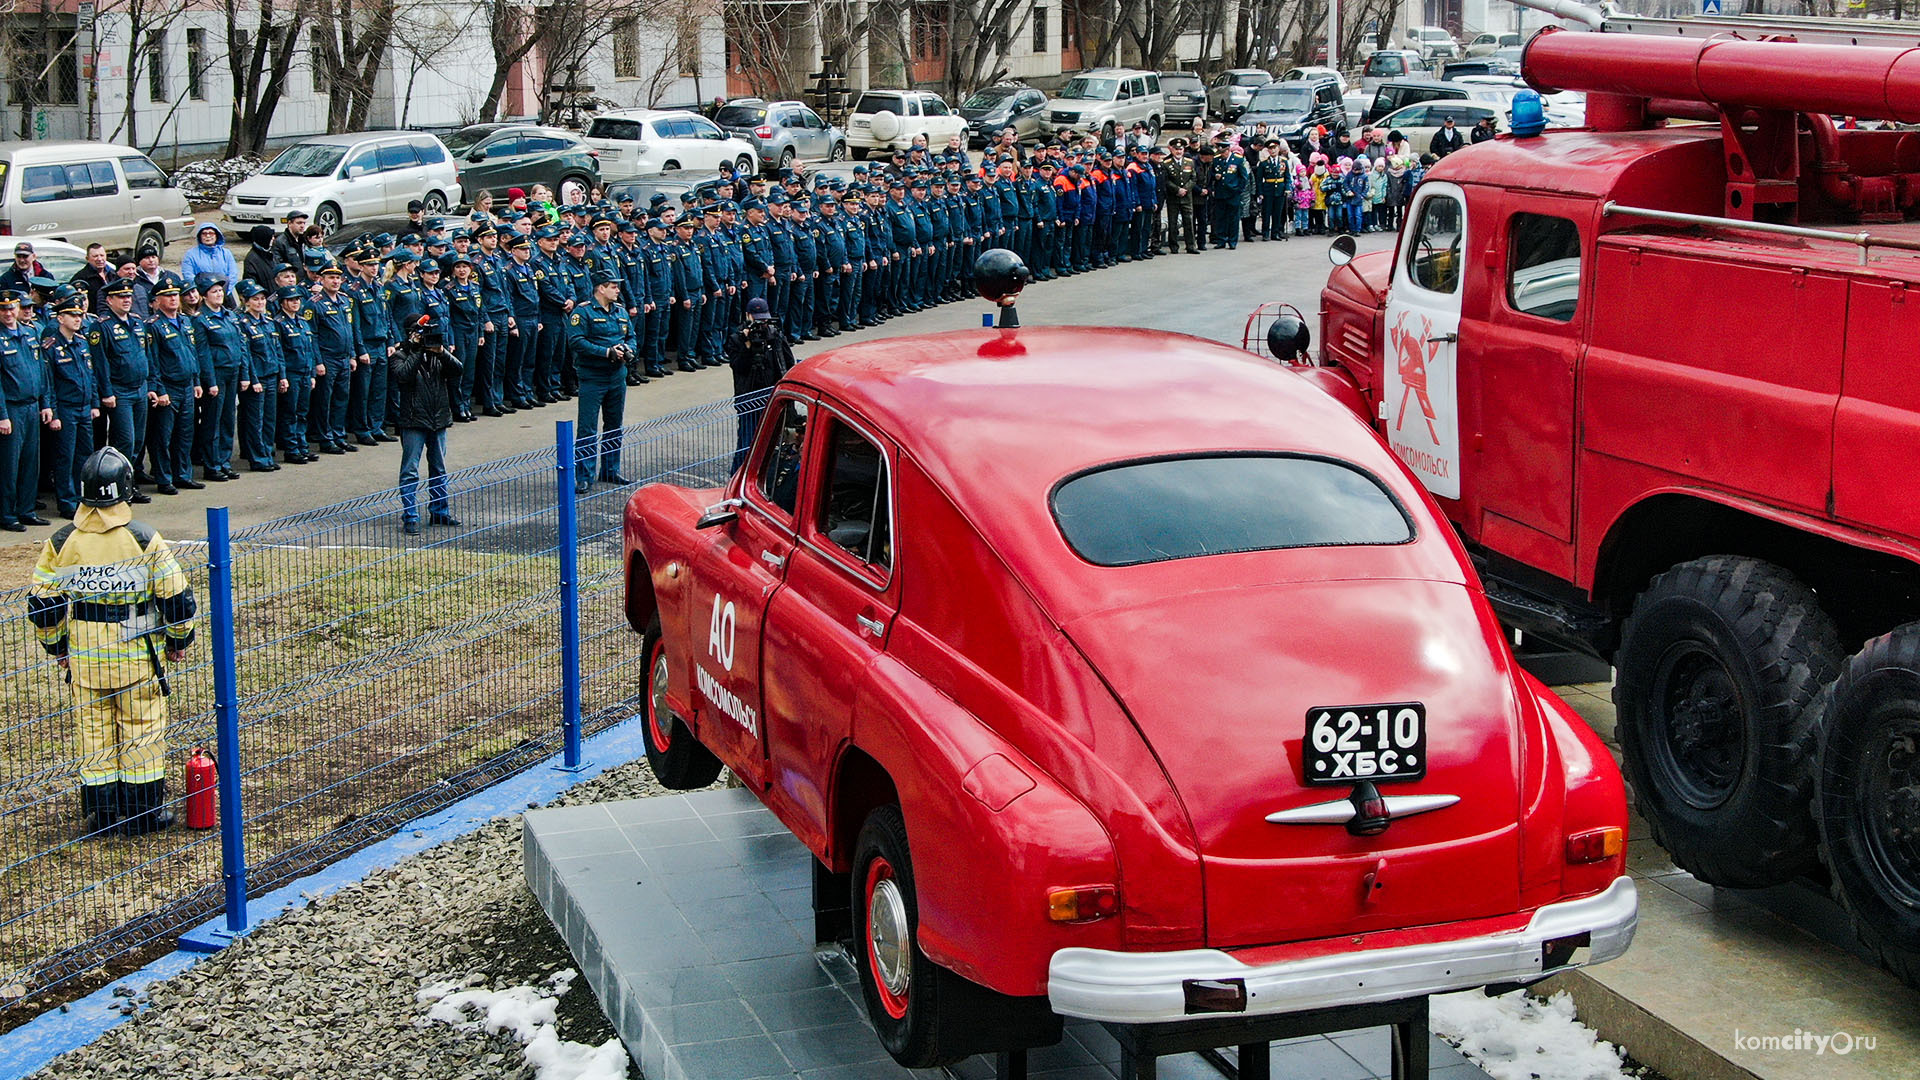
(1517, 1037)
(528, 1013)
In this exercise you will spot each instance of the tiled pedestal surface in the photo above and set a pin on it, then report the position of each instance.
(691, 918)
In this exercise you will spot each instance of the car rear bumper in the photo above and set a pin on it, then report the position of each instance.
(1147, 987)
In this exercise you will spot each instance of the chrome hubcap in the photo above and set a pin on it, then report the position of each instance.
(887, 930)
(658, 688)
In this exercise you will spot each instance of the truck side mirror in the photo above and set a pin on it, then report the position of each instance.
(1342, 250)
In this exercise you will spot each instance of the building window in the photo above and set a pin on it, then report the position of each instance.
(689, 46)
(47, 71)
(156, 65)
(626, 47)
(317, 57)
(1039, 30)
(196, 63)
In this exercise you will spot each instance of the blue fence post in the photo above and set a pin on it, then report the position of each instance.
(569, 599)
(226, 712)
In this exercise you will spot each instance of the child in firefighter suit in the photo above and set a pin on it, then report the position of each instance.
(100, 582)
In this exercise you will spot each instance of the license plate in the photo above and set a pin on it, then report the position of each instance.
(1348, 743)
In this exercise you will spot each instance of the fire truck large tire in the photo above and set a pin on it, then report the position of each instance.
(677, 759)
(1868, 796)
(1719, 664)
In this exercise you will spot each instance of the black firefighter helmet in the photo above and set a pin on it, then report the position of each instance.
(106, 479)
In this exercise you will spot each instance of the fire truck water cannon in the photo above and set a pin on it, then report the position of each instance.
(1787, 161)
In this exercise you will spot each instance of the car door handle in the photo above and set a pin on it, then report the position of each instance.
(1443, 338)
(777, 562)
(871, 626)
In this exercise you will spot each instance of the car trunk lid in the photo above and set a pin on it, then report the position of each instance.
(1227, 712)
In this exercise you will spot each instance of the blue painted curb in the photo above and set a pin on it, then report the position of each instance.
(31, 1046)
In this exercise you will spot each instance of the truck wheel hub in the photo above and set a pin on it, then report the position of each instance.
(1705, 738)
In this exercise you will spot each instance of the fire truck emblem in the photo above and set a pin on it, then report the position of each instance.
(1415, 353)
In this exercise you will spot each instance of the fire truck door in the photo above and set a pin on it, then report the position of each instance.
(1420, 395)
(1524, 374)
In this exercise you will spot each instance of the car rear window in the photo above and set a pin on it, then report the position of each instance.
(619, 130)
(1252, 78)
(1180, 508)
(873, 103)
(740, 115)
(1181, 84)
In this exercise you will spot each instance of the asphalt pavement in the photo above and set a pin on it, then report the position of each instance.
(1208, 295)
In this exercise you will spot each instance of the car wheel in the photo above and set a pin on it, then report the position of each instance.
(1153, 127)
(151, 241)
(902, 987)
(786, 159)
(1868, 800)
(743, 166)
(327, 219)
(677, 759)
(434, 204)
(838, 153)
(669, 166)
(1718, 667)
(1106, 132)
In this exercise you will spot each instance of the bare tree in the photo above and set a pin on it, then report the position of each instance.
(146, 23)
(259, 58)
(350, 41)
(570, 32)
(512, 30)
(422, 34)
(978, 33)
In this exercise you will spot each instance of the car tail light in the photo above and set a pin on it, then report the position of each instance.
(1083, 903)
(763, 132)
(591, 152)
(1596, 845)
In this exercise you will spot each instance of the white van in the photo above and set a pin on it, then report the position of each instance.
(336, 179)
(89, 193)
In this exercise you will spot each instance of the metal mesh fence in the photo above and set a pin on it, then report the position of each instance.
(380, 674)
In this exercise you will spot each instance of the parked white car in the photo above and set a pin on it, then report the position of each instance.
(89, 193)
(338, 179)
(641, 142)
(1432, 43)
(889, 119)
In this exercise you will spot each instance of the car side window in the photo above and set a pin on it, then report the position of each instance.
(428, 151)
(778, 479)
(142, 173)
(1543, 266)
(936, 107)
(1433, 259)
(396, 156)
(1415, 116)
(43, 183)
(855, 509)
(1153, 84)
(541, 144)
(504, 146)
(368, 159)
(913, 106)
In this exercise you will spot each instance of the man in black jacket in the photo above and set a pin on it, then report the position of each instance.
(1446, 140)
(427, 374)
(288, 246)
(261, 260)
(93, 277)
(759, 354)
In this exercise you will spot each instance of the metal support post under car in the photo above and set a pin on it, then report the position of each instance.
(1142, 1044)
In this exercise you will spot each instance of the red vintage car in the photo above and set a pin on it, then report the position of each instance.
(1119, 675)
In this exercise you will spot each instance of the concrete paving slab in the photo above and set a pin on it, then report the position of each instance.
(690, 917)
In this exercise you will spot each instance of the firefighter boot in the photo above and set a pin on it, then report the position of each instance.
(99, 808)
(145, 808)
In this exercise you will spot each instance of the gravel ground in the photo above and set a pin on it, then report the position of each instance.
(328, 991)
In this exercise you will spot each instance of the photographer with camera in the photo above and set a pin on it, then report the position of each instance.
(603, 343)
(428, 375)
(759, 354)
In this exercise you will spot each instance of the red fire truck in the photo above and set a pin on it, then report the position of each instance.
(1664, 378)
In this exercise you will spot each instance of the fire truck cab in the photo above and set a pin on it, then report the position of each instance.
(1662, 379)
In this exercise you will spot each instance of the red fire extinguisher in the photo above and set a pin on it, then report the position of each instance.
(201, 810)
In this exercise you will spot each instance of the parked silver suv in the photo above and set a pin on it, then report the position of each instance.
(1106, 100)
(782, 131)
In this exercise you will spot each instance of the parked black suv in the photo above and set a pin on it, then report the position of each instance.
(1292, 107)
